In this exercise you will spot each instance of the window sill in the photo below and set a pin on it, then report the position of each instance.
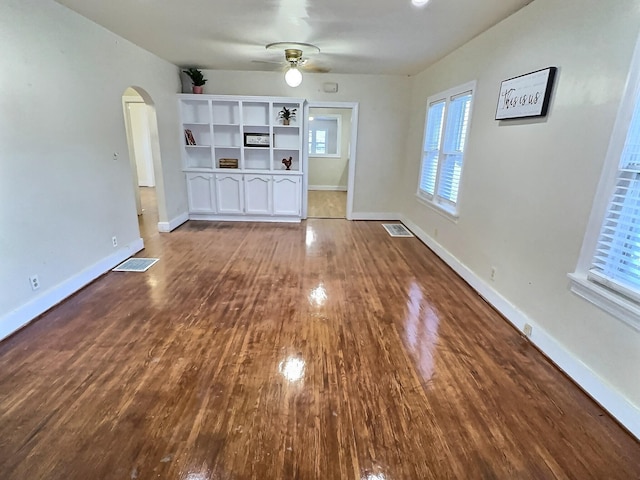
(611, 302)
(441, 209)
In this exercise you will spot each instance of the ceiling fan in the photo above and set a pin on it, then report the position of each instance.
(294, 62)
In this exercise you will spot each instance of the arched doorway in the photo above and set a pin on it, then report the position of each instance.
(144, 155)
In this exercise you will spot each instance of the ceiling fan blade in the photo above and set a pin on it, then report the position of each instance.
(313, 67)
(316, 69)
(268, 62)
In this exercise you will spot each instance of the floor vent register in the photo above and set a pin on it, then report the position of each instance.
(136, 265)
(397, 230)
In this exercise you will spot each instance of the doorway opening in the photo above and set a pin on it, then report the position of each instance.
(330, 145)
(142, 140)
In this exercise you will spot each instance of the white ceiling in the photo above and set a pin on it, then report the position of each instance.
(373, 37)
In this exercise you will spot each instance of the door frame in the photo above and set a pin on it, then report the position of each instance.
(353, 142)
(126, 100)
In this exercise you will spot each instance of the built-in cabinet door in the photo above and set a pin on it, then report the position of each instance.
(229, 192)
(201, 192)
(286, 195)
(257, 194)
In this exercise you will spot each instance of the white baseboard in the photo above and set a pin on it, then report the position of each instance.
(386, 216)
(24, 314)
(334, 188)
(172, 224)
(610, 399)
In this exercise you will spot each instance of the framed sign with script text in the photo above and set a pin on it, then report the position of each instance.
(527, 95)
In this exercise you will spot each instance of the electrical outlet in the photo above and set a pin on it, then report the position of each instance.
(527, 330)
(114, 240)
(493, 273)
(115, 155)
(35, 282)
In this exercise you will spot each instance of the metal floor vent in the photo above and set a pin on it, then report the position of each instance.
(136, 265)
(397, 230)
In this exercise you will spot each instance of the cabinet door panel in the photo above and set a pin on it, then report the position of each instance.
(229, 194)
(201, 192)
(257, 194)
(286, 195)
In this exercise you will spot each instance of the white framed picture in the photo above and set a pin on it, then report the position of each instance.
(526, 96)
(256, 140)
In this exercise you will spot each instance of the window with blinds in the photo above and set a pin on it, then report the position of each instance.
(445, 134)
(608, 270)
(324, 135)
(616, 263)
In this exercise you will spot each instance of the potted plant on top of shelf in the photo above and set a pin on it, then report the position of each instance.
(286, 115)
(197, 79)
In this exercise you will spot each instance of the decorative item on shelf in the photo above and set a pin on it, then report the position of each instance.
(228, 163)
(188, 137)
(287, 162)
(197, 79)
(286, 115)
(256, 140)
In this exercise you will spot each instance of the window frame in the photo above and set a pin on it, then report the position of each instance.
(582, 280)
(312, 131)
(440, 204)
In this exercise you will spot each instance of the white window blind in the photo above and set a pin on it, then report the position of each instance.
(446, 129)
(433, 133)
(454, 139)
(616, 263)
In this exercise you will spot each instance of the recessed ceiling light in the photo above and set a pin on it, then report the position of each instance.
(419, 3)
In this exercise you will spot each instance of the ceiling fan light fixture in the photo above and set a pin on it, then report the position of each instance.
(293, 76)
(293, 56)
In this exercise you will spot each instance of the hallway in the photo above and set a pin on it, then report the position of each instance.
(327, 204)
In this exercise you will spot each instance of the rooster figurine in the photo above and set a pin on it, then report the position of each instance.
(287, 163)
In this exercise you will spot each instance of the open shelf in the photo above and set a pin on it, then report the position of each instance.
(280, 154)
(195, 112)
(255, 113)
(201, 133)
(198, 156)
(257, 158)
(225, 112)
(227, 136)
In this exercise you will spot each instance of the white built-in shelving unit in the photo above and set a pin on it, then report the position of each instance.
(246, 133)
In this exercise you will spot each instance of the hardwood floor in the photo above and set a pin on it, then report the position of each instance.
(148, 221)
(327, 204)
(324, 350)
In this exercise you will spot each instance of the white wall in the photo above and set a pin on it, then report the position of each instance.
(528, 185)
(332, 172)
(383, 103)
(62, 196)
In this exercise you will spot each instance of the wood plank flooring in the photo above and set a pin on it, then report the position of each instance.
(324, 350)
(327, 204)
